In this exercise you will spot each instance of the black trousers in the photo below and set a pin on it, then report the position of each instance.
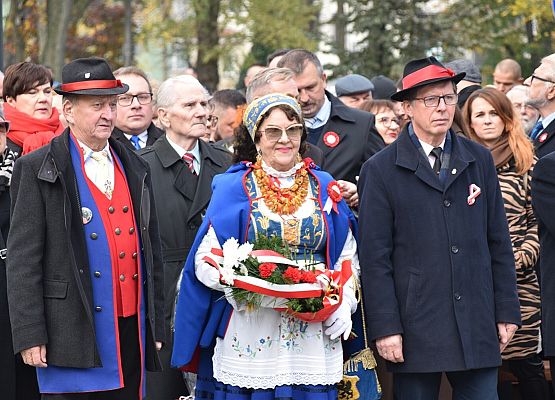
(476, 384)
(130, 363)
(529, 371)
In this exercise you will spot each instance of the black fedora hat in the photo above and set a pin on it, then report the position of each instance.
(422, 72)
(90, 76)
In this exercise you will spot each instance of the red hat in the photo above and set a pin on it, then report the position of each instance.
(422, 72)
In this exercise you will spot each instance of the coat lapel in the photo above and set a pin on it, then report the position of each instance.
(337, 112)
(209, 167)
(408, 156)
(460, 159)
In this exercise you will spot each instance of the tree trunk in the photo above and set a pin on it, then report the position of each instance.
(128, 45)
(208, 38)
(340, 28)
(58, 14)
(14, 35)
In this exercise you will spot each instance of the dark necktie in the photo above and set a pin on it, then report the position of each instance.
(436, 151)
(135, 140)
(534, 133)
(189, 159)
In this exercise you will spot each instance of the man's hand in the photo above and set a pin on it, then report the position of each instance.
(35, 356)
(391, 348)
(506, 333)
(349, 192)
(158, 346)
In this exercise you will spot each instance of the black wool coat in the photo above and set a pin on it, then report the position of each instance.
(358, 140)
(153, 134)
(435, 269)
(543, 201)
(545, 141)
(182, 199)
(49, 280)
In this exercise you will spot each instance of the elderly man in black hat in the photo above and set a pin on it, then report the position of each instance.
(437, 261)
(84, 272)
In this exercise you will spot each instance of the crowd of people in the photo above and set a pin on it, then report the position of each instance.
(429, 200)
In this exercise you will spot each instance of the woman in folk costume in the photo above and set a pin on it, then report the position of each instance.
(28, 96)
(491, 121)
(271, 191)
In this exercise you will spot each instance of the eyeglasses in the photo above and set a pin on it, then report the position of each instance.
(387, 121)
(274, 133)
(211, 121)
(539, 79)
(433, 101)
(125, 100)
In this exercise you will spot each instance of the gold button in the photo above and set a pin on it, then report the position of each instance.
(134, 256)
(118, 231)
(131, 230)
(135, 276)
(122, 254)
(125, 208)
(122, 277)
(94, 236)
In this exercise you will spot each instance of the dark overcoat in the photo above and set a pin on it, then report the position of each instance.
(358, 140)
(153, 134)
(545, 141)
(182, 199)
(49, 279)
(543, 201)
(435, 269)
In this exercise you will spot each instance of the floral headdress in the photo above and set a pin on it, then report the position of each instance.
(254, 112)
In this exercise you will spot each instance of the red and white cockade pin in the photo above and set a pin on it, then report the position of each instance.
(473, 192)
(542, 137)
(334, 197)
(331, 139)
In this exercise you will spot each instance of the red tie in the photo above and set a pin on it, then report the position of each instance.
(189, 158)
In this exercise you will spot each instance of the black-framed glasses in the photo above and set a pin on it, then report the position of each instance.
(433, 101)
(125, 100)
(539, 79)
(274, 133)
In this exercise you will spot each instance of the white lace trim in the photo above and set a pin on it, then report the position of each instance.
(281, 174)
(269, 382)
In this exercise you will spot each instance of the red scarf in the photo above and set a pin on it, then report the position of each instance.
(31, 133)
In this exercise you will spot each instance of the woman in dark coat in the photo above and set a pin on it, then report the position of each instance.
(17, 380)
(491, 121)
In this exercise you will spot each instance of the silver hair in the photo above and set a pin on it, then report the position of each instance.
(264, 78)
(169, 89)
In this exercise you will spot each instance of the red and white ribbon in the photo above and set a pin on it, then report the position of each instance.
(473, 193)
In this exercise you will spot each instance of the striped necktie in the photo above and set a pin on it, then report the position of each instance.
(189, 159)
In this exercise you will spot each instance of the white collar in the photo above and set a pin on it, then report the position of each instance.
(181, 151)
(321, 118)
(143, 137)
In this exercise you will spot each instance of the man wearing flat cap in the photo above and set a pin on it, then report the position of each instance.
(84, 272)
(438, 269)
(353, 90)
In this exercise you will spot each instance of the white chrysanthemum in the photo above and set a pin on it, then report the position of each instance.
(244, 251)
(227, 276)
(230, 249)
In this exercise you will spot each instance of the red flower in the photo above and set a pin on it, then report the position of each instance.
(293, 274)
(308, 277)
(266, 269)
